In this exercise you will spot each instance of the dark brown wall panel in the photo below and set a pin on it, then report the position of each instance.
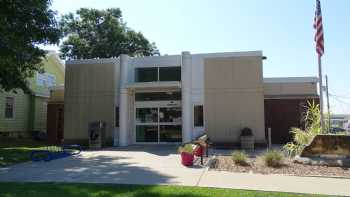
(283, 114)
(55, 124)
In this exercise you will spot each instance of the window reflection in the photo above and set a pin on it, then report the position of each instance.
(168, 114)
(146, 115)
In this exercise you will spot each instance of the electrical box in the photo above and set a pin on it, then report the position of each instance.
(97, 131)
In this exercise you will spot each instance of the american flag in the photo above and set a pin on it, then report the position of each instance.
(319, 29)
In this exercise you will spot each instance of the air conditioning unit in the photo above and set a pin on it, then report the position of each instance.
(97, 131)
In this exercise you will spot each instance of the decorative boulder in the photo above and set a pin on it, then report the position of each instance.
(327, 150)
(328, 145)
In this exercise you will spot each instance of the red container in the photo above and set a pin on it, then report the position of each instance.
(198, 151)
(187, 159)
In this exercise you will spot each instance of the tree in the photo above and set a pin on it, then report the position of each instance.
(93, 33)
(23, 26)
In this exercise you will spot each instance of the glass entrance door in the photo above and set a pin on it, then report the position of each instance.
(147, 124)
(157, 121)
(158, 124)
(170, 124)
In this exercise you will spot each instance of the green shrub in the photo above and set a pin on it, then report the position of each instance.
(273, 158)
(188, 148)
(239, 158)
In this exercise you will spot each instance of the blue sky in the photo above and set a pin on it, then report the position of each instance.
(282, 29)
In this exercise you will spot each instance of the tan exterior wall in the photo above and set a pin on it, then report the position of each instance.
(290, 88)
(90, 93)
(233, 98)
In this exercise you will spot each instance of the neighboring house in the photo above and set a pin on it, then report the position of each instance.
(175, 98)
(340, 121)
(21, 113)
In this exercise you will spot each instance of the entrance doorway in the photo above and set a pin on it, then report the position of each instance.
(158, 117)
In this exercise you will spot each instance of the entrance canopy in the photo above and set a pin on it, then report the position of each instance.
(155, 85)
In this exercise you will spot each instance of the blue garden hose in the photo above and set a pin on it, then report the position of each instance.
(34, 155)
(46, 155)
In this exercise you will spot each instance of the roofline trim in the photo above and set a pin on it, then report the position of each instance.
(93, 61)
(290, 80)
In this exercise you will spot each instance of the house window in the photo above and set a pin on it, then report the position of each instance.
(198, 116)
(45, 79)
(116, 116)
(10, 108)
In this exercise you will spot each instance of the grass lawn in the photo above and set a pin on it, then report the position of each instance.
(17, 150)
(109, 190)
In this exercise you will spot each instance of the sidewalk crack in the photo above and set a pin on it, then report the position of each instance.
(200, 177)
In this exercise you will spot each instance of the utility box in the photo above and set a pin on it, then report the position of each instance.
(97, 130)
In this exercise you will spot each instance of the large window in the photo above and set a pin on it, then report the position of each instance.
(170, 73)
(10, 108)
(198, 116)
(146, 74)
(152, 74)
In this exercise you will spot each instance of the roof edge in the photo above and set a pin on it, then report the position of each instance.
(93, 61)
(310, 79)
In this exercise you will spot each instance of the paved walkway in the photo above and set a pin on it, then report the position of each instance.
(160, 165)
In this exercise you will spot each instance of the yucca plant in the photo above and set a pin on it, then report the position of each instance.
(303, 137)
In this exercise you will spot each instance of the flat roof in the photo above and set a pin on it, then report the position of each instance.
(290, 80)
(116, 59)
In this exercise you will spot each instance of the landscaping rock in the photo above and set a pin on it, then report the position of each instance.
(332, 146)
(323, 161)
(256, 166)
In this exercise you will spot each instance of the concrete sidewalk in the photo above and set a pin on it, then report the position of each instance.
(281, 183)
(161, 166)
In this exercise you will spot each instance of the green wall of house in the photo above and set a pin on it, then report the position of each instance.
(30, 109)
(20, 122)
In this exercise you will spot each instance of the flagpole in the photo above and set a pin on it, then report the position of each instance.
(321, 92)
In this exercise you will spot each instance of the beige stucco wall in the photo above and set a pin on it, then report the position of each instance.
(90, 95)
(286, 89)
(233, 98)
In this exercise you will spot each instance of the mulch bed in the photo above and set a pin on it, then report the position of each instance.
(257, 166)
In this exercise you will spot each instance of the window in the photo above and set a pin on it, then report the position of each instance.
(45, 79)
(10, 108)
(146, 74)
(198, 116)
(152, 74)
(170, 73)
(116, 116)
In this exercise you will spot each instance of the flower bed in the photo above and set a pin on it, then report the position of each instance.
(257, 166)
